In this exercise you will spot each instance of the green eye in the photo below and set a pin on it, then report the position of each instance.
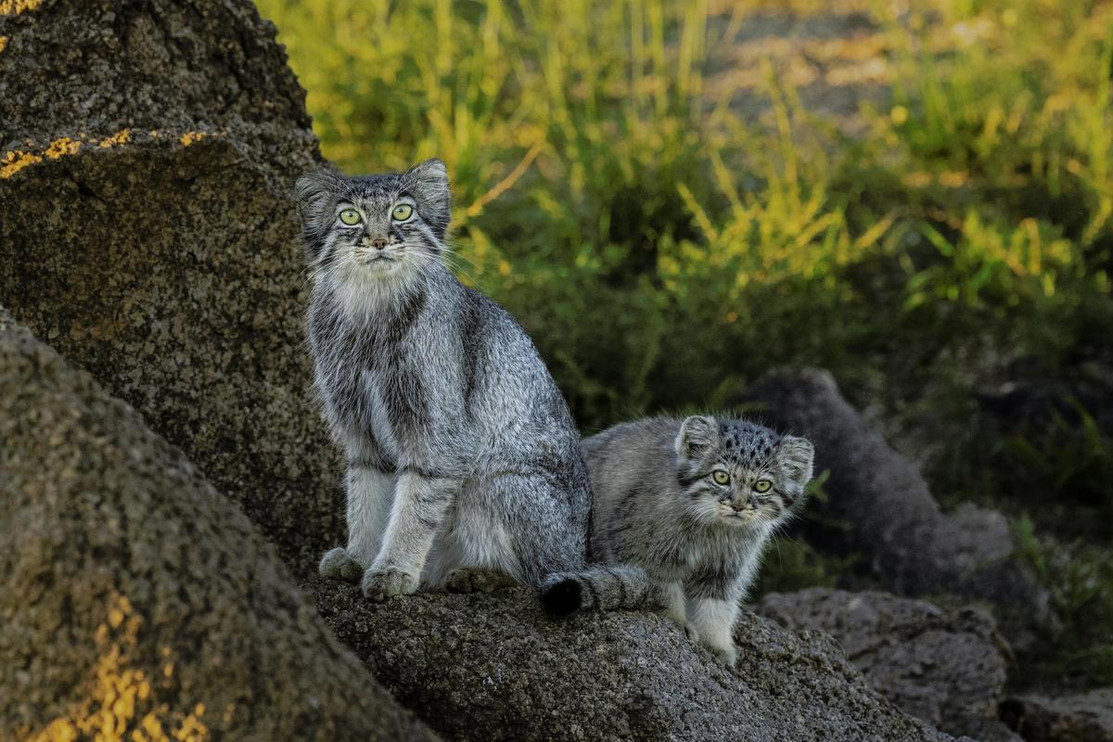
(349, 216)
(402, 212)
(720, 477)
(762, 485)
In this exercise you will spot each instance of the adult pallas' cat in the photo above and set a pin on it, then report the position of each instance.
(461, 450)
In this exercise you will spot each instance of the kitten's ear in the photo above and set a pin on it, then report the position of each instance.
(316, 194)
(428, 183)
(796, 456)
(697, 434)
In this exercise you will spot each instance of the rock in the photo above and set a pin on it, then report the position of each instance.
(943, 666)
(493, 667)
(134, 598)
(914, 548)
(1085, 717)
(146, 232)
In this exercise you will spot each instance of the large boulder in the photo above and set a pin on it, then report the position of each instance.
(138, 602)
(914, 548)
(943, 666)
(147, 151)
(494, 667)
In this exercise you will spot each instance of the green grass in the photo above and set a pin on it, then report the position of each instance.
(663, 252)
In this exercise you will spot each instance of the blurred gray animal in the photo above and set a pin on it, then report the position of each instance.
(461, 450)
(683, 510)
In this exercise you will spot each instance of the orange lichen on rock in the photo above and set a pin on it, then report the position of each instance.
(15, 161)
(3, 43)
(121, 137)
(61, 147)
(120, 702)
(191, 136)
(15, 7)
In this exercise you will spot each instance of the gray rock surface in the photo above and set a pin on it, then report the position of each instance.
(134, 596)
(943, 666)
(914, 548)
(146, 232)
(493, 667)
(1084, 717)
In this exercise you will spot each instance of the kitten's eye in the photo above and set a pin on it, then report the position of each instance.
(402, 212)
(350, 217)
(763, 485)
(720, 477)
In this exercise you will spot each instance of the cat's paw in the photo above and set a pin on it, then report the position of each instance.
(338, 564)
(474, 580)
(691, 632)
(728, 655)
(380, 584)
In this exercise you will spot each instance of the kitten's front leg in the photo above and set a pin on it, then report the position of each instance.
(713, 619)
(370, 492)
(420, 504)
(673, 594)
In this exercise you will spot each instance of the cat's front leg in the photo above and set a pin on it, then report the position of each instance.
(672, 592)
(370, 493)
(713, 620)
(421, 501)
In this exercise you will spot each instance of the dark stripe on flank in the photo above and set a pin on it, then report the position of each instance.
(470, 345)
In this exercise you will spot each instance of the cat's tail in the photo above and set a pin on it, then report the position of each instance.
(599, 587)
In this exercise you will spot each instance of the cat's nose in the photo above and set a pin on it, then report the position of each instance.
(739, 505)
(378, 243)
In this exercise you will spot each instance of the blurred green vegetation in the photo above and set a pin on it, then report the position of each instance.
(665, 245)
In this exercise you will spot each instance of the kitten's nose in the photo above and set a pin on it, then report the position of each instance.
(739, 505)
(378, 243)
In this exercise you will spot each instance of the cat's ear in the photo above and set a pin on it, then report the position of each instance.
(796, 456)
(316, 194)
(697, 435)
(428, 184)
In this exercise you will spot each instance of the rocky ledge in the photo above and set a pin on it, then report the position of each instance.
(494, 667)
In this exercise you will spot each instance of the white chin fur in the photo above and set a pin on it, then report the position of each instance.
(363, 286)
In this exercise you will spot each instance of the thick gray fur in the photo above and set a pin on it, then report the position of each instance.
(461, 450)
(691, 544)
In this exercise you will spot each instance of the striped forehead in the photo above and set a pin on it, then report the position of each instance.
(375, 188)
(747, 443)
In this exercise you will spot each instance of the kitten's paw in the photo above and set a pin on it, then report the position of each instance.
(727, 655)
(691, 632)
(474, 580)
(380, 584)
(338, 564)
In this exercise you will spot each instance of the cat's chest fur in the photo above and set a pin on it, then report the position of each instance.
(369, 376)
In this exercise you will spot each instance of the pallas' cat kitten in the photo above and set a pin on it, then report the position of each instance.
(692, 503)
(461, 450)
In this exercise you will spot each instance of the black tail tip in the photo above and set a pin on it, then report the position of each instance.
(563, 598)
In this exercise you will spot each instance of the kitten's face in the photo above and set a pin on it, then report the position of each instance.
(374, 229)
(740, 473)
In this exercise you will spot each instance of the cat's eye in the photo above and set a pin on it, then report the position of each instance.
(720, 477)
(349, 217)
(402, 212)
(763, 485)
